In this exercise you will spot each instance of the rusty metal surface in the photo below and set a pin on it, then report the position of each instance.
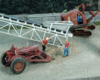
(27, 53)
(73, 17)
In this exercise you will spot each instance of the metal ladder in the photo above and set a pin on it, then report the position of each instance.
(34, 31)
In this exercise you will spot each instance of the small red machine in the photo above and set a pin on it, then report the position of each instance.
(16, 58)
(76, 29)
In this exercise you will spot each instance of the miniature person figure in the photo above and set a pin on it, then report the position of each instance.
(66, 49)
(44, 43)
(79, 19)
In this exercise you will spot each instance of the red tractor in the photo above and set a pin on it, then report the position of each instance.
(16, 58)
(80, 29)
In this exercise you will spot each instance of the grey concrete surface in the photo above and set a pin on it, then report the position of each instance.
(41, 18)
(84, 59)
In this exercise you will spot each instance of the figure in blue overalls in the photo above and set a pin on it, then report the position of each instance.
(79, 19)
(66, 50)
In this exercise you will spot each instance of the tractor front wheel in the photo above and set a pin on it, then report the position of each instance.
(4, 58)
(18, 65)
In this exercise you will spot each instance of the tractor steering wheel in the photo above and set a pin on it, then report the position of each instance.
(13, 47)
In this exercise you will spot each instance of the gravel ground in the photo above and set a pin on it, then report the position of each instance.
(84, 59)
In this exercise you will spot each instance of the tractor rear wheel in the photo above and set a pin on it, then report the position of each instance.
(4, 58)
(18, 65)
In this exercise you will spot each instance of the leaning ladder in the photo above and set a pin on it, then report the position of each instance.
(34, 31)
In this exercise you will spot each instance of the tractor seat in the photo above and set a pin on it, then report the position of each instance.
(43, 54)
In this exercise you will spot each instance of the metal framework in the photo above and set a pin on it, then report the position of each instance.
(33, 31)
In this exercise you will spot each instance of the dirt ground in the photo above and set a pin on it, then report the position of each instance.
(83, 61)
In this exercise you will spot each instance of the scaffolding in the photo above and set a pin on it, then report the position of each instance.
(57, 31)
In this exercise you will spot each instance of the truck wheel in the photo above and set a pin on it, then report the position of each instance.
(4, 59)
(18, 65)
